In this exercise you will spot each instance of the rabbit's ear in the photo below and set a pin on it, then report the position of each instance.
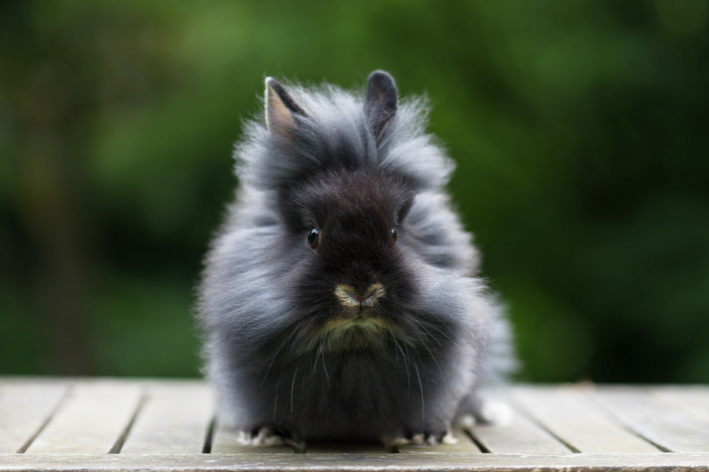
(280, 108)
(381, 102)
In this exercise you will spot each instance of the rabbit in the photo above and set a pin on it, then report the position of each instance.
(340, 300)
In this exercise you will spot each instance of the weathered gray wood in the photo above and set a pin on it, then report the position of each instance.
(355, 462)
(225, 441)
(656, 419)
(90, 420)
(175, 417)
(692, 399)
(347, 448)
(574, 419)
(521, 436)
(465, 445)
(24, 409)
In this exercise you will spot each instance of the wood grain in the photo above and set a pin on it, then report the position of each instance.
(522, 435)
(692, 399)
(175, 417)
(79, 420)
(90, 420)
(653, 418)
(577, 421)
(355, 462)
(347, 448)
(24, 410)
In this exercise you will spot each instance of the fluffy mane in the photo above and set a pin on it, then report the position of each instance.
(334, 131)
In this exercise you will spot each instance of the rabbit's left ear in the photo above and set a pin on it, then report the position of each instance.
(280, 109)
(381, 103)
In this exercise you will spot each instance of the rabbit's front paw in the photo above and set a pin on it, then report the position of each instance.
(429, 437)
(263, 436)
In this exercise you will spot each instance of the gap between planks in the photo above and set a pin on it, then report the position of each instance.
(25, 410)
(571, 414)
(658, 421)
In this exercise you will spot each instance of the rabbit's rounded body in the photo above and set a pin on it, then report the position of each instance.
(339, 300)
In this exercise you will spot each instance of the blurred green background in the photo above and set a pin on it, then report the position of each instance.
(581, 132)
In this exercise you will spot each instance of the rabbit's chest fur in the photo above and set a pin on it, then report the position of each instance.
(362, 395)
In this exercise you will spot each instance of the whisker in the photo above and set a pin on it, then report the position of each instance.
(395, 350)
(423, 411)
(291, 389)
(327, 376)
(317, 356)
(447, 337)
(422, 336)
(444, 324)
(439, 368)
(274, 358)
(275, 400)
(406, 365)
(408, 355)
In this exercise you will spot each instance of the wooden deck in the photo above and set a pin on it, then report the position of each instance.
(115, 424)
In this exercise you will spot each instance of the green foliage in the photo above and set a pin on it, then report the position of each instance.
(579, 129)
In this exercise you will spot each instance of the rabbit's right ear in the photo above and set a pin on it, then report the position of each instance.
(280, 109)
(381, 103)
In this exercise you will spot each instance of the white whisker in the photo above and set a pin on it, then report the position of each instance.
(423, 411)
(317, 356)
(395, 350)
(291, 389)
(444, 334)
(327, 376)
(274, 358)
(406, 364)
(439, 368)
(275, 399)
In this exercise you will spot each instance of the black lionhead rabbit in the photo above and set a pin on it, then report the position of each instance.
(340, 298)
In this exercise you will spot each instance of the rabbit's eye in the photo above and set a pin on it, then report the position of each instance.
(393, 234)
(313, 238)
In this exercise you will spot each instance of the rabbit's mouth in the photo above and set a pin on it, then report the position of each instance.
(355, 332)
(366, 321)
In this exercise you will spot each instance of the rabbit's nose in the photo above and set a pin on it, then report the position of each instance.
(348, 296)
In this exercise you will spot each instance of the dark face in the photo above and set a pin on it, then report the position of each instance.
(355, 285)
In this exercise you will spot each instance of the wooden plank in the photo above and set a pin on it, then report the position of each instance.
(175, 417)
(465, 445)
(25, 407)
(693, 399)
(673, 417)
(91, 419)
(573, 418)
(355, 462)
(344, 448)
(226, 440)
(522, 436)
(659, 421)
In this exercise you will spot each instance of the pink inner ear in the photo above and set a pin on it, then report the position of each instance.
(278, 118)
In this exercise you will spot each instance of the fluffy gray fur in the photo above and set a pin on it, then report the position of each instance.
(267, 297)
